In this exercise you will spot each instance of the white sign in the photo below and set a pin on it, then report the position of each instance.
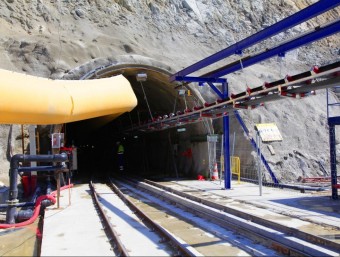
(268, 132)
(57, 140)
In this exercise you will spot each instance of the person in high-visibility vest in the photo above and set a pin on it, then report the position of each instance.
(120, 153)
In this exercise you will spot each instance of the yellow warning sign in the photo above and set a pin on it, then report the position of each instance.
(269, 132)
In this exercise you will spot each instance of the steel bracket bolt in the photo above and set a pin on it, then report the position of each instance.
(12, 202)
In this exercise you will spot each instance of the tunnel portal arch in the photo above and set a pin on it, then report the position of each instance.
(150, 154)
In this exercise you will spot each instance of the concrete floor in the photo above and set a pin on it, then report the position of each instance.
(317, 206)
(72, 230)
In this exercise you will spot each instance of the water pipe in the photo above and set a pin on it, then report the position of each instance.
(25, 204)
(26, 214)
(38, 203)
(13, 173)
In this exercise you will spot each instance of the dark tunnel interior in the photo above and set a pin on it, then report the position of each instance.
(146, 154)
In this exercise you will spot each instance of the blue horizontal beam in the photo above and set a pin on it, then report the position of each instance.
(334, 121)
(291, 21)
(317, 34)
(216, 90)
(201, 79)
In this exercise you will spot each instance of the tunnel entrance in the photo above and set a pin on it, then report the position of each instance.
(154, 154)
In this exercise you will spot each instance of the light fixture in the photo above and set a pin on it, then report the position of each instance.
(181, 92)
(141, 76)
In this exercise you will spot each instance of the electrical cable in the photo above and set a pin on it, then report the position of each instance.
(185, 101)
(146, 100)
(175, 105)
(242, 69)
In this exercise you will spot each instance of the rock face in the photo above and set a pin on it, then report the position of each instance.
(49, 38)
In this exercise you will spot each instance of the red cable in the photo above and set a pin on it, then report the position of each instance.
(36, 212)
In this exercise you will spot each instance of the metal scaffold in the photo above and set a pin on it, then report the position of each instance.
(215, 152)
(294, 86)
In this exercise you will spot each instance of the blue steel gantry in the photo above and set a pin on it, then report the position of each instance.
(311, 36)
(297, 86)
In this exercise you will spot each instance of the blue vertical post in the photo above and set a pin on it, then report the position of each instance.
(226, 146)
(333, 161)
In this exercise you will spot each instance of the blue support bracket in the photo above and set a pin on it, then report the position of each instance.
(226, 143)
(253, 143)
(218, 92)
(201, 79)
(289, 22)
(282, 54)
(332, 149)
(321, 32)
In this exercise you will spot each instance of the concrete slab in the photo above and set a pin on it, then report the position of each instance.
(74, 229)
(313, 206)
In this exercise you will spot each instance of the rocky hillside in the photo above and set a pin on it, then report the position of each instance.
(49, 38)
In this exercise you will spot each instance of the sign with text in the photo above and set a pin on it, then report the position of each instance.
(57, 140)
(268, 132)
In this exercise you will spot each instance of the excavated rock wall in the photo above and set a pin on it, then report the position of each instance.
(50, 38)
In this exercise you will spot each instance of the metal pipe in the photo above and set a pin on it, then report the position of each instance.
(41, 168)
(51, 200)
(48, 187)
(226, 143)
(13, 173)
(332, 150)
(23, 215)
(26, 204)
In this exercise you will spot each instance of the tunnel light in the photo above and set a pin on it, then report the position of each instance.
(141, 77)
(181, 92)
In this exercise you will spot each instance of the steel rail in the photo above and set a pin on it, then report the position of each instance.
(234, 243)
(112, 233)
(184, 249)
(308, 237)
(268, 236)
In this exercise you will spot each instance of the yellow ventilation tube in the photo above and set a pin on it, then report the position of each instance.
(27, 99)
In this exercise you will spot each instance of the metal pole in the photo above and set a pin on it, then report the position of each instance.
(221, 159)
(22, 139)
(333, 161)
(227, 171)
(259, 162)
(58, 189)
(226, 144)
(259, 172)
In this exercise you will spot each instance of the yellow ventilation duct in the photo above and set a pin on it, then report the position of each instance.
(27, 99)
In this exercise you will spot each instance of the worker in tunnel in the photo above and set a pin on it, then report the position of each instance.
(120, 154)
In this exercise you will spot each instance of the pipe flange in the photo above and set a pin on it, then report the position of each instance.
(12, 202)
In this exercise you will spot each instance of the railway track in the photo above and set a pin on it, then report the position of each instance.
(149, 218)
